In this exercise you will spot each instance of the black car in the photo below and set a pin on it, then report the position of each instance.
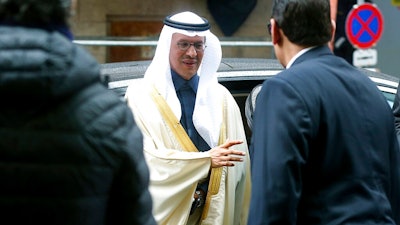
(239, 75)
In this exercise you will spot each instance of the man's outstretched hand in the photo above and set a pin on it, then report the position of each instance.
(222, 155)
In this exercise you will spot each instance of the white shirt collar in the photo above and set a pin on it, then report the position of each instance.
(298, 55)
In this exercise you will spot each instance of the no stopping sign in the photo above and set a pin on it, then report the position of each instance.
(364, 25)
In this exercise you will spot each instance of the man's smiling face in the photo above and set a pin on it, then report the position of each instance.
(185, 62)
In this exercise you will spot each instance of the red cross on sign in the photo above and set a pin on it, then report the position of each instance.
(364, 25)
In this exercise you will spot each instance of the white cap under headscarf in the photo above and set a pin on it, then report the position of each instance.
(207, 114)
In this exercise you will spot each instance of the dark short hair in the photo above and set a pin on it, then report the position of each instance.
(34, 12)
(304, 22)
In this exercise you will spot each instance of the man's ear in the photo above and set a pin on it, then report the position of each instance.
(275, 34)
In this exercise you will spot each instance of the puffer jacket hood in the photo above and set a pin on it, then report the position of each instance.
(38, 68)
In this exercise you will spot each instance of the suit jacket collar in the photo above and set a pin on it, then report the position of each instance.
(313, 53)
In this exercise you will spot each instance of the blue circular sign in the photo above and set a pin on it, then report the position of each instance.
(364, 25)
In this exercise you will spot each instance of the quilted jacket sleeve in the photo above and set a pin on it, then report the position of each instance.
(116, 138)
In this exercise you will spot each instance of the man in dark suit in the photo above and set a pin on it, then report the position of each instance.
(396, 112)
(324, 148)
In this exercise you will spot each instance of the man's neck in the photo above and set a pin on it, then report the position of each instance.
(288, 51)
(301, 52)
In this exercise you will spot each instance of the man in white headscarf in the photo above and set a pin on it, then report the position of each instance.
(194, 140)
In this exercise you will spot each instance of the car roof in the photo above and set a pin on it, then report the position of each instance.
(231, 73)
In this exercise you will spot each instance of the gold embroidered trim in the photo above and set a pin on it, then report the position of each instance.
(173, 123)
(216, 173)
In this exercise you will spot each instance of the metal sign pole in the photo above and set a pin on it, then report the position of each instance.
(359, 2)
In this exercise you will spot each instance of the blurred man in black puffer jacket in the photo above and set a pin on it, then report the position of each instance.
(70, 151)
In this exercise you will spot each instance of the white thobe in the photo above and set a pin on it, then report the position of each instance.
(175, 173)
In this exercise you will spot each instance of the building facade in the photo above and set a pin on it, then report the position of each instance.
(136, 19)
